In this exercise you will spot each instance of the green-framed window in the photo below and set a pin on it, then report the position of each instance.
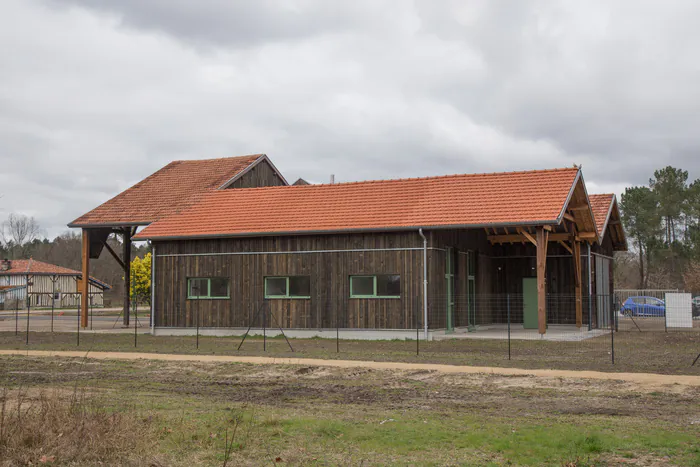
(199, 288)
(376, 286)
(288, 287)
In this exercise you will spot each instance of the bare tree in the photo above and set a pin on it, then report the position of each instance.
(19, 231)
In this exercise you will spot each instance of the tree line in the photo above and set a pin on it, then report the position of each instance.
(662, 224)
(21, 237)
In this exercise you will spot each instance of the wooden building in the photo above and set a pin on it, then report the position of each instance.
(171, 189)
(46, 284)
(437, 253)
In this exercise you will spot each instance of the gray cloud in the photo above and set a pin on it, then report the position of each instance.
(95, 96)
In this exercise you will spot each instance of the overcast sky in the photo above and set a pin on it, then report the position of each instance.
(94, 96)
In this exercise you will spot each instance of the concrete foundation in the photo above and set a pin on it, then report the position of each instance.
(555, 332)
(352, 334)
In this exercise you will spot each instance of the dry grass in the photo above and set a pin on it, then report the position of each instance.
(69, 428)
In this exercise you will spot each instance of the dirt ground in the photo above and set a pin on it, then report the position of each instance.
(379, 416)
(281, 385)
(650, 381)
(634, 352)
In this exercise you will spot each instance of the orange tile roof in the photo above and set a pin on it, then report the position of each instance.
(472, 200)
(174, 187)
(600, 205)
(20, 267)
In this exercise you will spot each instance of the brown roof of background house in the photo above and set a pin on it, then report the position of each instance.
(509, 198)
(301, 181)
(601, 204)
(21, 267)
(167, 191)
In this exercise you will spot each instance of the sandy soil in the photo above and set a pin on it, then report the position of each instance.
(648, 380)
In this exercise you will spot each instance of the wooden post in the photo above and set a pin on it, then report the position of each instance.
(542, 240)
(577, 284)
(126, 258)
(84, 284)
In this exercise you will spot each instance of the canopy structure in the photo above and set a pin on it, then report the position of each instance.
(171, 189)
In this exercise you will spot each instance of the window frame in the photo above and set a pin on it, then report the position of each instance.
(374, 286)
(287, 296)
(208, 295)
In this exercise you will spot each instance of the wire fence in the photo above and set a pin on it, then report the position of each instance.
(589, 331)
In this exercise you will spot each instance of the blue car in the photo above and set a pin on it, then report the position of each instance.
(644, 306)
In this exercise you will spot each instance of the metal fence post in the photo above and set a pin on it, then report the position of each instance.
(78, 334)
(29, 303)
(612, 333)
(508, 305)
(53, 303)
(417, 331)
(136, 319)
(197, 318)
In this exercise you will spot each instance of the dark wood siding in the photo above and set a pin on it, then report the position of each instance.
(462, 241)
(260, 175)
(329, 273)
(246, 261)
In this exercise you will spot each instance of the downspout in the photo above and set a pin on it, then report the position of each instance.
(153, 288)
(425, 284)
(590, 290)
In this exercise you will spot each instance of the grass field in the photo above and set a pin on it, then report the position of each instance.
(183, 414)
(653, 352)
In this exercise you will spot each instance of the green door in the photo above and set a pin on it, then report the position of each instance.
(450, 278)
(530, 303)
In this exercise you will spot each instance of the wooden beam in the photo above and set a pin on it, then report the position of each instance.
(569, 217)
(566, 247)
(115, 255)
(84, 285)
(520, 237)
(542, 242)
(588, 235)
(527, 235)
(577, 283)
(582, 207)
(126, 254)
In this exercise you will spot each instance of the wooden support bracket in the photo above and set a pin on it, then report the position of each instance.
(566, 247)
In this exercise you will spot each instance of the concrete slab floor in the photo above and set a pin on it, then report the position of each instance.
(555, 332)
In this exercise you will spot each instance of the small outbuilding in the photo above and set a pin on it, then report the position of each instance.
(46, 284)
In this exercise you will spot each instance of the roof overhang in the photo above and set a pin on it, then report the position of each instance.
(410, 228)
(110, 225)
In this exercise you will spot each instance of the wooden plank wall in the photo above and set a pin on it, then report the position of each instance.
(329, 274)
(259, 176)
(462, 241)
(518, 261)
